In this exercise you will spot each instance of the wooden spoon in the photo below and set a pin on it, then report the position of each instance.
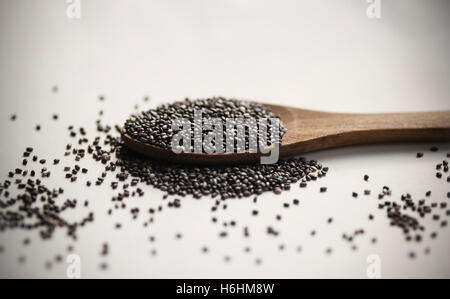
(309, 130)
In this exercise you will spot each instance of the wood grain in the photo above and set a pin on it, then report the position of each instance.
(314, 130)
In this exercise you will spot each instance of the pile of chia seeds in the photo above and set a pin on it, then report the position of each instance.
(155, 125)
(224, 182)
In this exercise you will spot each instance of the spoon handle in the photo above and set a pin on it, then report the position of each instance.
(336, 130)
(402, 121)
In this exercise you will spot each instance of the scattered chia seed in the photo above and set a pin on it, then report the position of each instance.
(105, 249)
(22, 259)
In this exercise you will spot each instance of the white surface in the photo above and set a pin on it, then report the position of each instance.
(324, 55)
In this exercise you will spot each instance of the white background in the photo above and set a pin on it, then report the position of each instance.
(324, 55)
